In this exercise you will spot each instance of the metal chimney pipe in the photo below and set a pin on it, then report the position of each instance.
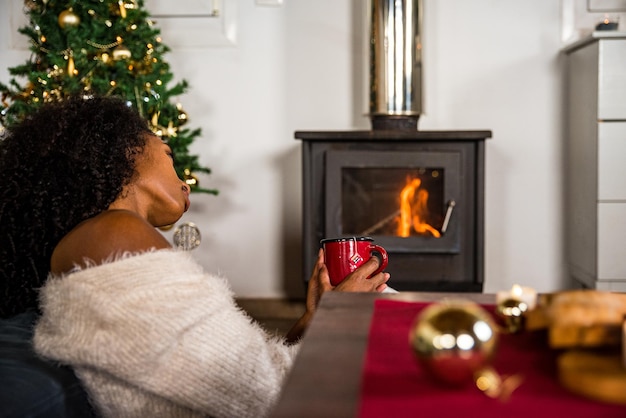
(395, 63)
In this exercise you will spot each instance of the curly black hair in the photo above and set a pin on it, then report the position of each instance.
(63, 164)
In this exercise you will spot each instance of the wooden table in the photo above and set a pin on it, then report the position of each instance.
(325, 380)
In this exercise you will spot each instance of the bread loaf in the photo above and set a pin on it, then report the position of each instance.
(580, 318)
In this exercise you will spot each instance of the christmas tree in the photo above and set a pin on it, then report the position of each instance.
(101, 47)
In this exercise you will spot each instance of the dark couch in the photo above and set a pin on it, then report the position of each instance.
(31, 386)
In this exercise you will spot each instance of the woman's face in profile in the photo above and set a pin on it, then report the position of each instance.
(163, 195)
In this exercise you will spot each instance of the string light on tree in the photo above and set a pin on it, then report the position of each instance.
(190, 178)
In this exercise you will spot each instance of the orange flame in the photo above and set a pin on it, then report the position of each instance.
(413, 207)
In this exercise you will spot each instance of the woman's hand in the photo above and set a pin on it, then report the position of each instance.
(357, 281)
(360, 281)
(319, 283)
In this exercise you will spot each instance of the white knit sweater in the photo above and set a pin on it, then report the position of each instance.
(153, 335)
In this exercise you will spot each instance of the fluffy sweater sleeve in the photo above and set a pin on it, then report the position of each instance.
(155, 335)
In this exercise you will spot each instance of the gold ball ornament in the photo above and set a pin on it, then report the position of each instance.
(120, 53)
(182, 117)
(512, 312)
(68, 19)
(453, 340)
(122, 9)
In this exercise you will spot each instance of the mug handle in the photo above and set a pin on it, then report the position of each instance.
(384, 258)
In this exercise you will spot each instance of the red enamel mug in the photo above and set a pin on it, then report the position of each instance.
(344, 255)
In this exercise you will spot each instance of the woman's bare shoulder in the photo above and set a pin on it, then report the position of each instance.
(97, 239)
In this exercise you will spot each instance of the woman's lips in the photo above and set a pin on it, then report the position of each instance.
(187, 201)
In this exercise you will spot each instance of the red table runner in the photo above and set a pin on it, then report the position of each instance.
(394, 385)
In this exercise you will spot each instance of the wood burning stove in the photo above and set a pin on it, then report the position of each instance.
(419, 194)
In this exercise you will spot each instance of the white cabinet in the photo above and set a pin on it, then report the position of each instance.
(595, 143)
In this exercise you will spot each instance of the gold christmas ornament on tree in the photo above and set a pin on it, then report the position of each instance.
(171, 130)
(71, 69)
(122, 9)
(155, 119)
(190, 179)
(121, 53)
(28, 90)
(182, 115)
(68, 19)
(454, 340)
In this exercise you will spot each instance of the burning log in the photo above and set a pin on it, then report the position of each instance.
(380, 224)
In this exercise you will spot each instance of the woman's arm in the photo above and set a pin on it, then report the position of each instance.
(156, 327)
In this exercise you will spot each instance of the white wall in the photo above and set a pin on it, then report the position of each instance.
(488, 64)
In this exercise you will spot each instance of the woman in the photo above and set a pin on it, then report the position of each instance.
(148, 332)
